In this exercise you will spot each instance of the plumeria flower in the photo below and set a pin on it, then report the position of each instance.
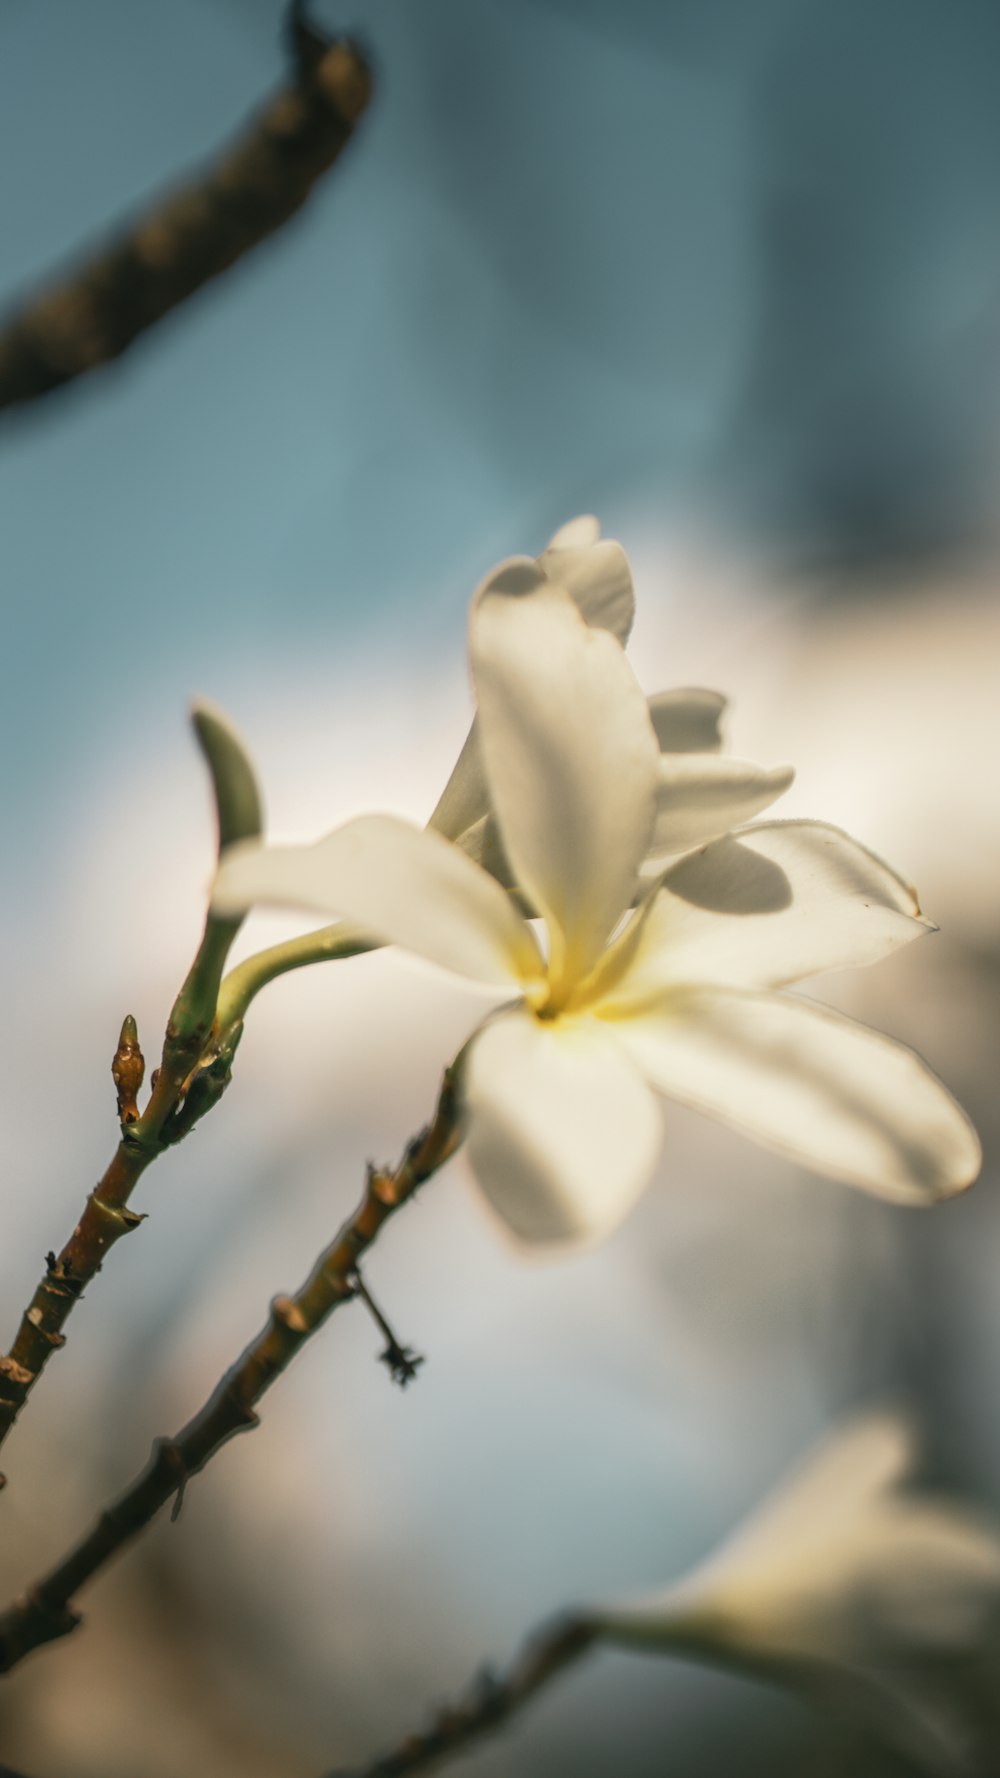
(678, 995)
(701, 792)
(846, 1586)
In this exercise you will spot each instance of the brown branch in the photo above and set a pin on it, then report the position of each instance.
(195, 1069)
(490, 1702)
(196, 232)
(188, 1072)
(46, 1611)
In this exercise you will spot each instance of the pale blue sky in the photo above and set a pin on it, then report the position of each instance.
(678, 260)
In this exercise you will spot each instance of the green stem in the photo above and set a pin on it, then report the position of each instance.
(46, 1610)
(243, 983)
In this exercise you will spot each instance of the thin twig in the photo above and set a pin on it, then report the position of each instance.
(489, 1703)
(46, 1611)
(195, 1069)
(402, 1362)
(198, 231)
(185, 1064)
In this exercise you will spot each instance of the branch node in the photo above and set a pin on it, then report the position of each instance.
(116, 1218)
(286, 1311)
(36, 1316)
(169, 1454)
(57, 1619)
(15, 1373)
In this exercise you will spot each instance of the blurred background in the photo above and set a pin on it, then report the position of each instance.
(727, 273)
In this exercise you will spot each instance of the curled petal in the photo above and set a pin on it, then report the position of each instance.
(400, 883)
(837, 1482)
(570, 756)
(766, 907)
(819, 1088)
(598, 578)
(465, 798)
(595, 573)
(702, 795)
(563, 1131)
(688, 721)
(599, 582)
(238, 803)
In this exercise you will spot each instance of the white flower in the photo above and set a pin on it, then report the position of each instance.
(843, 1585)
(564, 1125)
(700, 792)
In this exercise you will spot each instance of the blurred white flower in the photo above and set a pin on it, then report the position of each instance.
(843, 1585)
(701, 793)
(564, 1127)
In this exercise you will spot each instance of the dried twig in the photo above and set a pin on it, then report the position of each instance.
(402, 1362)
(46, 1610)
(198, 231)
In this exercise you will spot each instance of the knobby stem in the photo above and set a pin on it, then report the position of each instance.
(195, 1069)
(490, 1701)
(193, 1072)
(46, 1611)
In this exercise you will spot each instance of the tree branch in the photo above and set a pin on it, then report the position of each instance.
(195, 1069)
(185, 1069)
(46, 1611)
(489, 1703)
(195, 233)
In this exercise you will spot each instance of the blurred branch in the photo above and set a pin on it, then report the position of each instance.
(46, 1611)
(491, 1700)
(197, 232)
(195, 1069)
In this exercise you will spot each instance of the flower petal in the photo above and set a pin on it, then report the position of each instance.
(702, 795)
(837, 1567)
(595, 573)
(859, 1464)
(563, 1131)
(599, 580)
(482, 843)
(465, 798)
(766, 907)
(570, 756)
(405, 886)
(831, 1094)
(577, 533)
(688, 721)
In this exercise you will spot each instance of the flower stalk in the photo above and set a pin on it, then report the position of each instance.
(46, 1612)
(329, 944)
